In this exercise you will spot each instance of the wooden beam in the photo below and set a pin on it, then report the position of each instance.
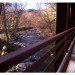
(72, 15)
(0, 8)
(62, 23)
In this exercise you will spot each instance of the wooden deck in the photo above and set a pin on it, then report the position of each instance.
(71, 65)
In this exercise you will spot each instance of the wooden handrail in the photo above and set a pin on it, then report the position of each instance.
(63, 66)
(11, 59)
(45, 56)
(57, 56)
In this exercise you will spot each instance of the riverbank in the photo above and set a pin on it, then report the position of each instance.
(10, 46)
(19, 29)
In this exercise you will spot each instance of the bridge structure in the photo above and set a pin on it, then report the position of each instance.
(64, 55)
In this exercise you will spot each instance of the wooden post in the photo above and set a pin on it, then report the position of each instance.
(61, 25)
(72, 15)
(67, 25)
(0, 8)
(72, 23)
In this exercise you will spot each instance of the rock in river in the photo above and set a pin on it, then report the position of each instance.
(32, 58)
(21, 67)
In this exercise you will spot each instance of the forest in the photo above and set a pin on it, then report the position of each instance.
(15, 18)
(21, 27)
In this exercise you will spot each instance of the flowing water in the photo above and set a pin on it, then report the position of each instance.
(26, 38)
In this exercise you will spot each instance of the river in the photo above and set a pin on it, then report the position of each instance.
(26, 38)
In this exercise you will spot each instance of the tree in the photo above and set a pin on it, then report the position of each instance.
(5, 26)
(18, 12)
(14, 12)
(48, 19)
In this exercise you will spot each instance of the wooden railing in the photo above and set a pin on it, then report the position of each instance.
(64, 64)
(13, 58)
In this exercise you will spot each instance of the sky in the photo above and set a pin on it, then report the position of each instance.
(32, 5)
(37, 1)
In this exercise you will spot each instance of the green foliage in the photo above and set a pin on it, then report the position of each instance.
(1, 44)
(10, 47)
(15, 37)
